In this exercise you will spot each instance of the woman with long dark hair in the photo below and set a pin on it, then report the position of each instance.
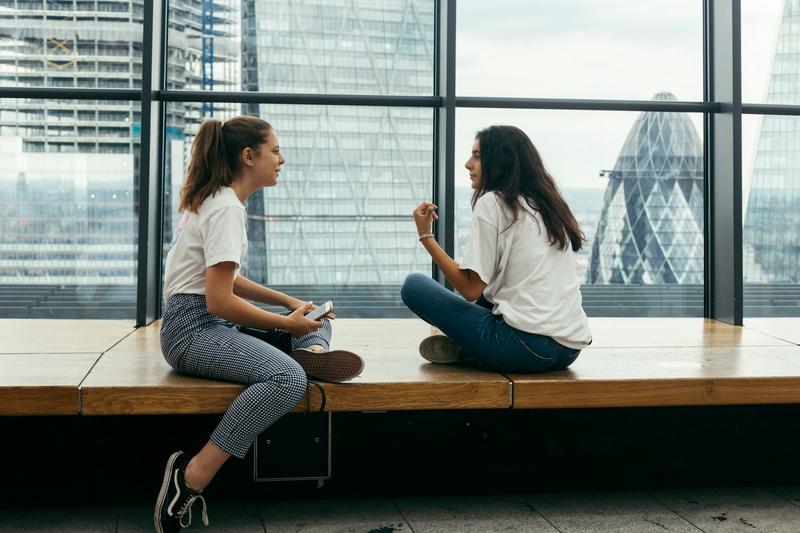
(520, 306)
(209, 329)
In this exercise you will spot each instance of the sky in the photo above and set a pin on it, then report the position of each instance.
(617, 49)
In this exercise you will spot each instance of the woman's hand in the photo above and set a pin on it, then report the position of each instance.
(424, 215)
(298, 325)
(294, 304)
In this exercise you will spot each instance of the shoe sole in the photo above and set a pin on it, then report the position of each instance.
(163, 491)
(335, 366)
(441, 349)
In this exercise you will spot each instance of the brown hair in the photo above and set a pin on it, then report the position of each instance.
(215, 156)
(511, 167)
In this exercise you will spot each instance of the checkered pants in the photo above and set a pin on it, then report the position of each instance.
(197, 343)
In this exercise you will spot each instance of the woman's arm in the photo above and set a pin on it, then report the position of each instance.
(465, 281)
(250, 290)
(222, 302)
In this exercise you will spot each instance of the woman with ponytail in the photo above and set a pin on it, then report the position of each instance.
(520, 306)
(209, 329)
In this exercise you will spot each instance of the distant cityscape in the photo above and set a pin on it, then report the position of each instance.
(68, 199)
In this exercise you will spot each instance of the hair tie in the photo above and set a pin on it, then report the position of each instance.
(221, 123)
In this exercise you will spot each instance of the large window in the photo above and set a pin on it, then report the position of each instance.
(771, 159)
(580, 48)
(613, 94)
(381, 47)
(341, 213)
(67, 208)
(70, 45)
(637, 192)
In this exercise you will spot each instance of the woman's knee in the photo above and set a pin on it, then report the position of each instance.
(413, 287)
(298, 383)
(289, 378)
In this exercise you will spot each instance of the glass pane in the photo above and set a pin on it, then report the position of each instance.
(771, 196)
(68, 209)
(613, 49)
(636, 189)
(770, 57)
(66, 43)
(338, 225)
(328, 46)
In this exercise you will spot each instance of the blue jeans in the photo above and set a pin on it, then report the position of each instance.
(482, 335)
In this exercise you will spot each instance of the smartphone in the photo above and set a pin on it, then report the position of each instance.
(320, 311)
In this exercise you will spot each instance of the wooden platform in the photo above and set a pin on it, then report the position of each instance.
(108, 368)
(133, 378)
(42, 362)
(42, 384)
(636, 362)
(787, 329)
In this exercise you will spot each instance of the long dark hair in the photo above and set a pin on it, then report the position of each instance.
(511, 167)
(215, 156)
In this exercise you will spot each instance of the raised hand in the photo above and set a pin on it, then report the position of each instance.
(424, 215)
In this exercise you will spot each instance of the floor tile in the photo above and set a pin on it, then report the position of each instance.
(63, 520)
(734, 509)
(334, 516)
(474, 514)
(222, 518)
(607, 511)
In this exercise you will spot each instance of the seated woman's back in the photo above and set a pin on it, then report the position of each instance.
(530, 282)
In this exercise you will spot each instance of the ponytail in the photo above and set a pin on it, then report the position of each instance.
(216, 156)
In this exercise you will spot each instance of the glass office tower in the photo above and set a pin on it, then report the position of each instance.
(651, 225)
(68, 182)
(771, 252)
(342, 213)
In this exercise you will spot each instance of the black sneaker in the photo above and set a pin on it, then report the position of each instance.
(174, 504)
(442, 349)
(334, 366)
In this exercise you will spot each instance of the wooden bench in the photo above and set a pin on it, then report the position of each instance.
(108, 368)
(133, 377)
(43, 362)
(637, 362)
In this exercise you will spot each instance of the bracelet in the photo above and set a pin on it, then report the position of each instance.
(426, 236)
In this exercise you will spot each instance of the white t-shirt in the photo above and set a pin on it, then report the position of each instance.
(532, 284)
(215, 234)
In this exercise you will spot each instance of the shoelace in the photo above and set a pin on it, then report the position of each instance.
(186, 509)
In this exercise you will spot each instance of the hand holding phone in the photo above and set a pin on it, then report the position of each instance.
(320, 311)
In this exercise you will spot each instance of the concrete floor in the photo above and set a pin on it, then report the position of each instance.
(767, 509)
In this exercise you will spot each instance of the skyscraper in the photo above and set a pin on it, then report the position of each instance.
(651, 225)
(342, 212)
(69, 176)
(772, 218)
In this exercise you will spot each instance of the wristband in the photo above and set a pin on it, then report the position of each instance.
(426, 236)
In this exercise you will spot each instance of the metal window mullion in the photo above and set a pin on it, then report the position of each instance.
(707, 142)
(53, 93)
(724, 179)
(770, 109)
(255, 97)
(585, 104)
(444, 129)
(148, 279)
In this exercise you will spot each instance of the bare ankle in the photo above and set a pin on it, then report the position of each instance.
(192, 478)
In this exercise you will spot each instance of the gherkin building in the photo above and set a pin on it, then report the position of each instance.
(651, 226)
